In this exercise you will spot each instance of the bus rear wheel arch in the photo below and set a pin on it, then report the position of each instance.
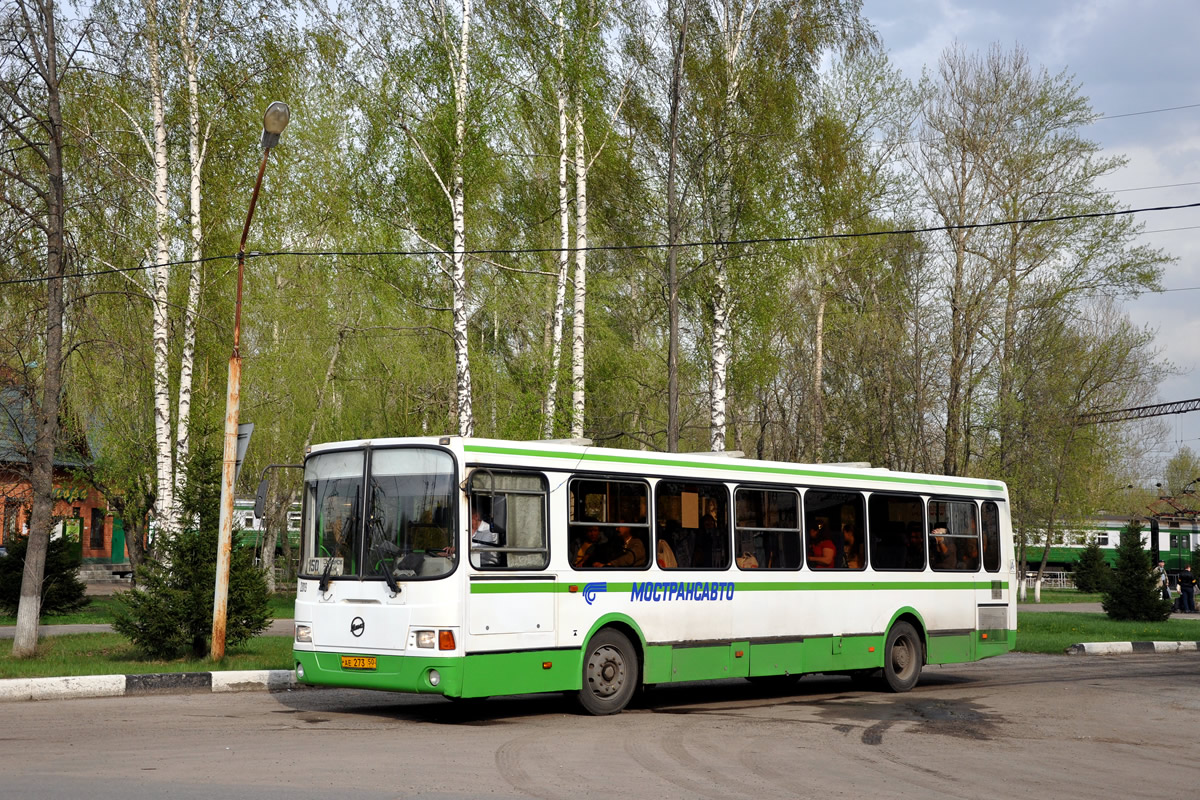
(903, 656)
(611, 673)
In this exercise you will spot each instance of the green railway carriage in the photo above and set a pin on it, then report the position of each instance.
(472, 567)
(1177, 539)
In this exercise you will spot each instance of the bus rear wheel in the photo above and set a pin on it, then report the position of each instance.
(902, 658)
(610, 673)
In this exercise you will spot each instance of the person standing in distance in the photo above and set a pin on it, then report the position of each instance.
(1187, 589)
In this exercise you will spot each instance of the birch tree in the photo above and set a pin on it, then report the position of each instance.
(418, 64)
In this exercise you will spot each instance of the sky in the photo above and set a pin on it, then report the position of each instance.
(1127, 57)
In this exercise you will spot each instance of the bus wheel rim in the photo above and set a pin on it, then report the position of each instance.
(902, 656)
(606, 671)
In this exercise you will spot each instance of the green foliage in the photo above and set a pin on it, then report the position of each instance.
(62, 591)
(1133, 593)
(169, 614)
(1092, 573)
(1182, 470)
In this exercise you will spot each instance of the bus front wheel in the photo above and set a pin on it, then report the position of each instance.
(610, 673)
(902, 658)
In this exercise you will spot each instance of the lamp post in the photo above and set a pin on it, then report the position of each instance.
(274, 121)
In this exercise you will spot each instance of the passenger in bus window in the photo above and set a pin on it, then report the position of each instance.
(706, 540)
(822, 551)
(968, 556)
(482, 534)
(746, 559)
(665, 555)
(914, 551)
(633, 552)
(852, 556)
(682, 544)
(941, 549)
(592, 546)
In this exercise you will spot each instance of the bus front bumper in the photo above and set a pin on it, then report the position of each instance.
(413, 674)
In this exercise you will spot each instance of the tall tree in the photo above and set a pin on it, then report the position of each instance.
(32, 72)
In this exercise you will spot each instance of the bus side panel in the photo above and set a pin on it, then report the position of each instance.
(951, 648)
(691, 663)
(777, 658)
(525, 672)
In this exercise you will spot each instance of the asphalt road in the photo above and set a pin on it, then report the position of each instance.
(1014, 726)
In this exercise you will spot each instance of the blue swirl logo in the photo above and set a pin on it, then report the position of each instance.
(592, 589)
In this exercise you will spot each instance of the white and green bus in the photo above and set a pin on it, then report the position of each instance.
(473, 567)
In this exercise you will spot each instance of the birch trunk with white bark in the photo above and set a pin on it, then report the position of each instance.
(458, 277)
(736, 26)
(720, 352)
(188, 24)
(817, 427)
(166, 512)
(564, 218)
(579, 332)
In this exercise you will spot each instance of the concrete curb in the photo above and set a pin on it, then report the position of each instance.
(1124, 648)
(272, 680)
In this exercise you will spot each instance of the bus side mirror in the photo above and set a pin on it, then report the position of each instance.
(260, 499)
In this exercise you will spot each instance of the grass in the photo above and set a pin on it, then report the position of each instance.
(112, 654)
(1064, 596)
(102, 608)
(1055, 631)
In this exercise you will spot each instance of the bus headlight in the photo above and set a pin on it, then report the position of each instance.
(304, 633)
(299, 671)
(427, 639)
(435, 677)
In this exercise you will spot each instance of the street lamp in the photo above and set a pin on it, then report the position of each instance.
(274, 121)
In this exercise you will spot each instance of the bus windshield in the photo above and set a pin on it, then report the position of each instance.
(402, 524)
(410, 514)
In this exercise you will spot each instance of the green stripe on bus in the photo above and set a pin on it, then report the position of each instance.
(748, 468)
(782, 586)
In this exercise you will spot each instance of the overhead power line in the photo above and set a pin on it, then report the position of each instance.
(1140, 412)
(1151, 111)
(816, 237)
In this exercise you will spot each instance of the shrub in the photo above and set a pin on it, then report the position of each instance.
(62, 591)
(1092, 573)
(1133, 593)
(169, 613)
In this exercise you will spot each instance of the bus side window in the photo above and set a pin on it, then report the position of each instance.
(693, 521)
(507, 524)
(768, 529)
(991, 537)
(835, 523)
(895, 523)
(953, 535)
(608, 524)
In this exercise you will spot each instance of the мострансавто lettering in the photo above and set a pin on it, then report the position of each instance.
(656, 591)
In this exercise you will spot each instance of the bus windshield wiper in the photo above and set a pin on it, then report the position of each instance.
(391, 579)
(323, 586)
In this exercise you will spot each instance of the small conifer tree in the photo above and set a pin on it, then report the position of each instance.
(1092, 573)
(62, 591)
(169, 613)
(1134, 593)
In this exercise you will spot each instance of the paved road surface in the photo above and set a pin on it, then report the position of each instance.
(1014, 726)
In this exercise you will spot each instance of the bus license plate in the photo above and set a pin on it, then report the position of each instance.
(358, 662)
